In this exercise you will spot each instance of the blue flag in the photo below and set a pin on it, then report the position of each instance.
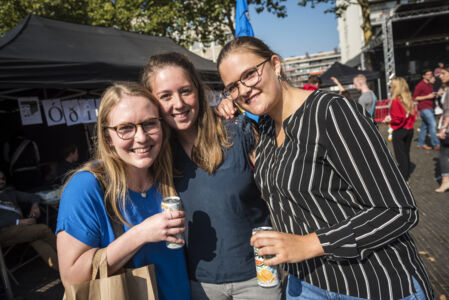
(243, 28)
(242, 25)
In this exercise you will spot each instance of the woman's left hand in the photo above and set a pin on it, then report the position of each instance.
(286, 248)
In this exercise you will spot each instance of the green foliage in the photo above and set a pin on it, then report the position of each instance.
(185, 21)
(338, 10)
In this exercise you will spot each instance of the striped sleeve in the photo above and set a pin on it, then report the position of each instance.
(359, 155)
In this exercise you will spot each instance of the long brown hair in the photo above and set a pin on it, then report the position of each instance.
(401, 90)
(212, 138)
(109, 168)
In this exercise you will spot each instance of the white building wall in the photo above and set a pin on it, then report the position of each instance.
(350, 32)
(210, 51)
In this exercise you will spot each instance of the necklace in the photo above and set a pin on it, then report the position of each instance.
(143, 191)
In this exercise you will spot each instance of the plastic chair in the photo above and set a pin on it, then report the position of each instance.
(5, 276)
(8, 272)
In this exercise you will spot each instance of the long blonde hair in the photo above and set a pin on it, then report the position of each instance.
(109, 168)
(401, 90)
(212, 138)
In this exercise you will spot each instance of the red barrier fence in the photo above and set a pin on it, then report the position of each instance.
(382, 110)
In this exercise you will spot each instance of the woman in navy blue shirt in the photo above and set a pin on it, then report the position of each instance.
(216, 184)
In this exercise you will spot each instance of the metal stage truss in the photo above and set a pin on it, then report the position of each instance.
(386, 36)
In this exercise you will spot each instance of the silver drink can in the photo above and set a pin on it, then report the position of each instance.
(171, 204)
(267, 276)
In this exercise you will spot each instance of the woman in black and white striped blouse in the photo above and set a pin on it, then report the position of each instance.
(339, 203)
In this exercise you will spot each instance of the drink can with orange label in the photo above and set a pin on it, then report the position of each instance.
(171, 204)
(267, 276)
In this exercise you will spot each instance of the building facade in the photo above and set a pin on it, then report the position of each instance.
(299, 68)
(350, 25)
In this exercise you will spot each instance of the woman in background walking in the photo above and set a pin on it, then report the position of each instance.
(444, 131)
(403, 116)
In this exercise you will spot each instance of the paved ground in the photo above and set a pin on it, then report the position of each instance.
(431, 235)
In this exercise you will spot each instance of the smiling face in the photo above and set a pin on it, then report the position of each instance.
(178, 97)
(262, 97)
(140, 152)
(444, 76)
(428, 77)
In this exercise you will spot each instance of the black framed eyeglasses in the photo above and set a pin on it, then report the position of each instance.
(249, 78)
(127, 131)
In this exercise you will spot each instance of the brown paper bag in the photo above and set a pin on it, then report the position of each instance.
(138, 284)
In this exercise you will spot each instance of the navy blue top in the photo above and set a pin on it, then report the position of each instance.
(82, 214)
(221, 210)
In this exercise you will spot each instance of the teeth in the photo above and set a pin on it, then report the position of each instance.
(141, 150)
(181, 114)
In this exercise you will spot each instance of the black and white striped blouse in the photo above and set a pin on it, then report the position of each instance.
(334, 175)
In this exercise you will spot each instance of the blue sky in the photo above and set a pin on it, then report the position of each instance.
(304, 30)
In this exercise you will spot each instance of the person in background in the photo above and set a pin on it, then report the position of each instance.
(367, 98)
(425, 96)
(444, 131)
(440, 66)
(17, 228)
(216, 185)
(402, 119)
(437, 89)
(313, 83)
(69, 163)
(337, 199)
(125, 183)
(341, 90)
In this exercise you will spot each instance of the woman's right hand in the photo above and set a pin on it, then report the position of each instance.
(442, 133)
(225, 109)
(163, 227)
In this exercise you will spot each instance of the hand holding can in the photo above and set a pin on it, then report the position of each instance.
(171, 204)
(267, 276)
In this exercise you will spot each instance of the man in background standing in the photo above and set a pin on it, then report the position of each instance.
(367, 99)
(425, 96)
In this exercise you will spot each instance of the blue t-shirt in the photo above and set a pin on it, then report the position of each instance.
(82, 214)
(222, 209)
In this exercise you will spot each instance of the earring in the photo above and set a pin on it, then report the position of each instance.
(280, 78)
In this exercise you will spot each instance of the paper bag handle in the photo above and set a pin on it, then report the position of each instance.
(100, 262)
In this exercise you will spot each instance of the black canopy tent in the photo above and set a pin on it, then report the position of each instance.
(344, 74)
(44, 53)
(58, 60)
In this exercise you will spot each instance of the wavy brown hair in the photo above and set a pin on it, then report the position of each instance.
(400, 89)
(212, 138)
(109, 168)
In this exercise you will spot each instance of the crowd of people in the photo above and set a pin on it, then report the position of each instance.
(314, 167)
(428, 101)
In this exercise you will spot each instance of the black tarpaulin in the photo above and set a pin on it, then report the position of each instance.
(344, 74)
(44, 53)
